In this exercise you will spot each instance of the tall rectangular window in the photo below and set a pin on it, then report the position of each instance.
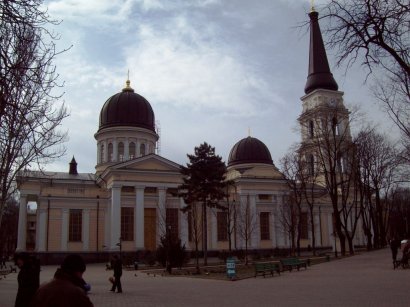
(127, 224)
(75, 225)
(172, 222)
(264, 224)
(222, 225)
(304, 225)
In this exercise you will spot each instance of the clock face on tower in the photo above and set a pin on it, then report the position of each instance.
(332, 102)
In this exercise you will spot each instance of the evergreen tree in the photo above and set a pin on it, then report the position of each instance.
(204, 183)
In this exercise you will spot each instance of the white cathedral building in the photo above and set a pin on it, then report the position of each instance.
(131, 198)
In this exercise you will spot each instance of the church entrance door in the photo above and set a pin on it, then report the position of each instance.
(150, 233)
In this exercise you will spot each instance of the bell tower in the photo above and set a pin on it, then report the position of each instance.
(324, 115)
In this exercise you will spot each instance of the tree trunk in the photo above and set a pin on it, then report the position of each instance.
(205, 233)
(313, 232)
(351, 247)
(299, 227)
(380, 222)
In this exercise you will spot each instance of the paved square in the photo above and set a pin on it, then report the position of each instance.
(363, 280)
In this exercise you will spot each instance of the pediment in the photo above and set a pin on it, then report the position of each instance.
(150, 162)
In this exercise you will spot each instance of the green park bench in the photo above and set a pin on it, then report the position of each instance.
(290, 263)
(263, 268)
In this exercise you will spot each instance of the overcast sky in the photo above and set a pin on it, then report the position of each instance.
(211, 70)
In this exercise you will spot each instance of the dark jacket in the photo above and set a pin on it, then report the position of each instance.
(28, 283)
(65, 290)
(117, 267)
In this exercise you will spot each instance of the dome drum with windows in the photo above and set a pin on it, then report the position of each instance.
(126, 129)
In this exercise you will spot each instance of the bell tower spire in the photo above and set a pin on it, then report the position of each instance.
(319, 75)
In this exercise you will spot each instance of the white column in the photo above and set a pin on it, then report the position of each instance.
(280, 233)
(115, 217)
(86, 229)
(255, 227)
(105, 151)
(37, 227)
(107, 227)
(184, 223)
(162, 213)
(272, 228)
(115, 149)
(22, 224)
(64, 229)
(318, 233)
(331, 234)
(42, 229)
(139, 218)
(214, 229)
(98, 152)
(137, 148)
(241, 219)
(126, 149)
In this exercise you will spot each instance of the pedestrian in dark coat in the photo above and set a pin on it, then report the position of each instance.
(28, 279)
(117, 267)
(67, 289)
(394, 246)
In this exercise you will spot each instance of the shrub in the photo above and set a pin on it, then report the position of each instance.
(171, 253)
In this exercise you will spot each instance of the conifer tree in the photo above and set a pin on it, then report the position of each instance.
(204, 183)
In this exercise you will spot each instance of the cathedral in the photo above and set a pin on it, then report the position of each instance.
(131, 200)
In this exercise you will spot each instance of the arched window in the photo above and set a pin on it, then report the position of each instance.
(110, 153)
(142, 150)
(132, 150)
(102, 160)
(335, 126)
(311, 127)
(121, 151)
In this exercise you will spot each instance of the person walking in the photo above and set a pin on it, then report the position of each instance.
(117, 267)
(28, 279)
(394, 246)
(67, 288)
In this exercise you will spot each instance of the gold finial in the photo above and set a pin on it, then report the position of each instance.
(127, 83)
(249, 131)
(312, 5)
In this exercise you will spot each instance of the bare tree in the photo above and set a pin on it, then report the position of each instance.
(292, 169)
(399, 199)
(378, 166)
(230, 208)
(289, 219)
(376, 34)
(328, 150)
(29, 115)
(8, 229)
(195, 228)
(303, 180)
(247, 224)
(312, 191)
